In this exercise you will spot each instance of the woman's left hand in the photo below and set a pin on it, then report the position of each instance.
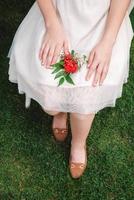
(98, 62)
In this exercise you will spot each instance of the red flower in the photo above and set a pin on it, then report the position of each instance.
(70, 64)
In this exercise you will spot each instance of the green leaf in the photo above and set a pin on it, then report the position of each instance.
(54, 65)
(61, 62)
(57, 64)
(58, 68)
(69, 79)
(61, 81)
(72, 52)
(61, 73)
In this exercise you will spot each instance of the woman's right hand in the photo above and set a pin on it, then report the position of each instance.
(54, 41)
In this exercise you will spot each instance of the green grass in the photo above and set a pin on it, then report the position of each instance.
(33, 166)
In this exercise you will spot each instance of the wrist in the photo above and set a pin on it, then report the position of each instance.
(52, 23)
(109, 40)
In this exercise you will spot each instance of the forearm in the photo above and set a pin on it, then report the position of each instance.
(49, 13)
(115, 17)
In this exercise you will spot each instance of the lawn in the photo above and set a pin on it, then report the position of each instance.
(35, 167)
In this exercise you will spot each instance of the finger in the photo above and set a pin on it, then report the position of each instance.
(91, 69)
(41, 50)
(43, 43)
(91, 57)
(104, 74)
(56, 53)
(97, 74)
(45, 53)
(50, 56)
(66, 47)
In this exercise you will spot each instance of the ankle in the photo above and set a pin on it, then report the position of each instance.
(77, 145)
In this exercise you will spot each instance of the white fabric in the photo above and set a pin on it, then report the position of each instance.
(84, 23)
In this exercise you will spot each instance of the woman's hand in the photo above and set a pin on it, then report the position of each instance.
(53, 42)
(98, 62)
(100, 56)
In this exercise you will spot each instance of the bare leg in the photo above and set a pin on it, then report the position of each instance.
(80, 127)
(59, 118)
(53, 113)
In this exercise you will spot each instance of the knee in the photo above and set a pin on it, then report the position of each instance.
(81, 116)
(50, 112)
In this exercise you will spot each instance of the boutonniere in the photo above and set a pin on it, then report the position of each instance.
(67, 65)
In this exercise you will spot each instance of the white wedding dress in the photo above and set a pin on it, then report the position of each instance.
(84, 22)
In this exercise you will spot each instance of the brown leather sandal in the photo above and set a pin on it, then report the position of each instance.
(60, 134)
(77, 169)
